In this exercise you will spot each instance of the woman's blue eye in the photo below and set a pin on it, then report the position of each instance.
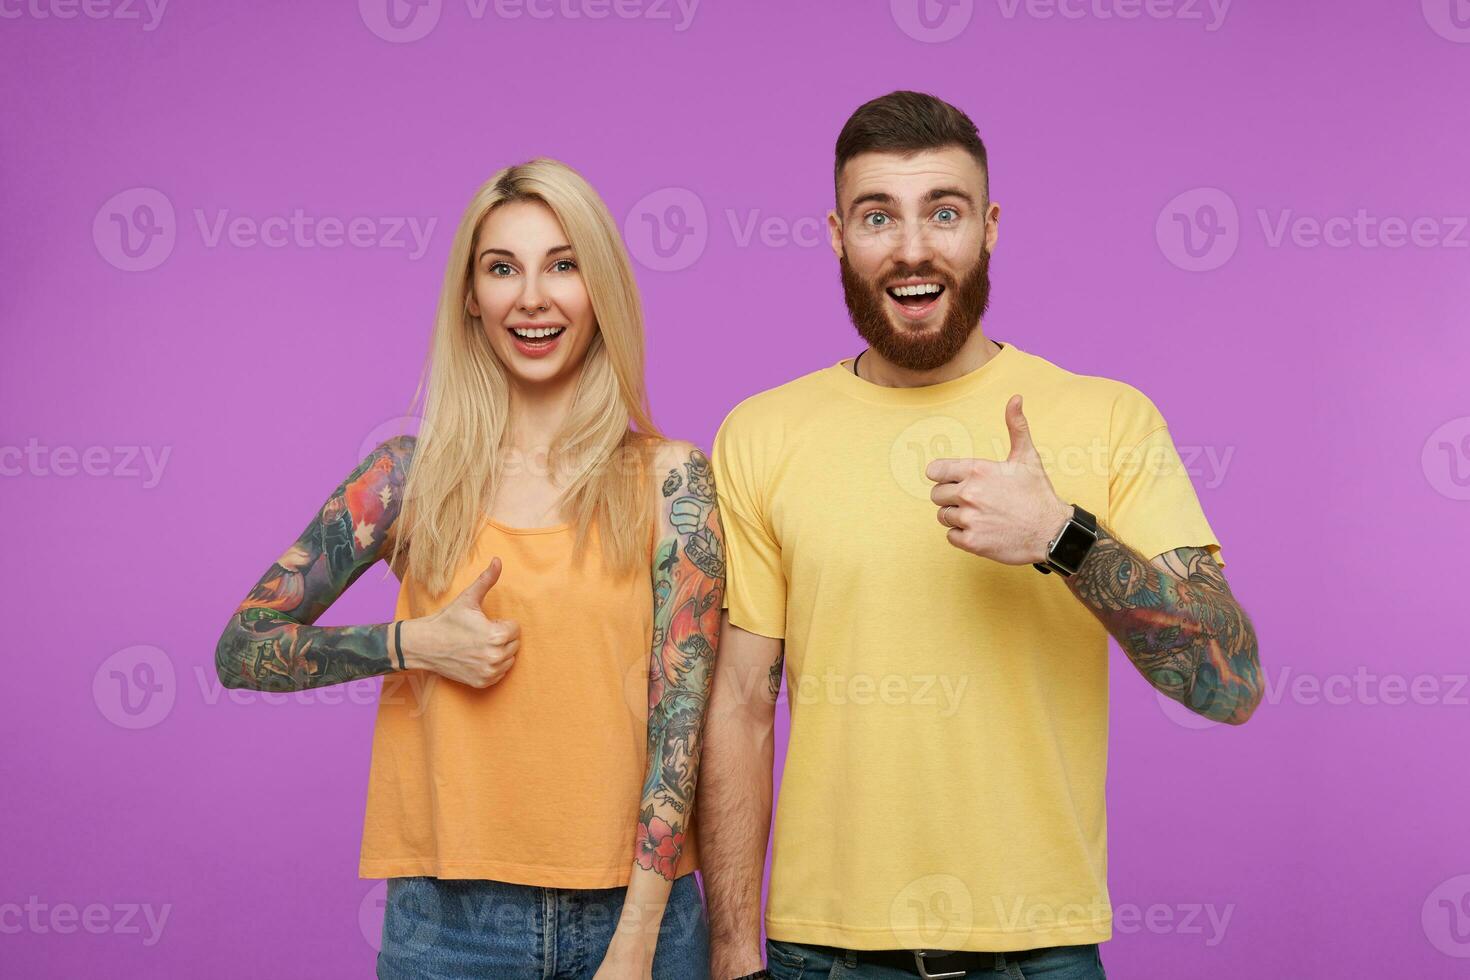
(564, 265)
(496, 267)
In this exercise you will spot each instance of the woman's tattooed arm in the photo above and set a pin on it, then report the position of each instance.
(688, 587)
(1177, 621)
(270, 644)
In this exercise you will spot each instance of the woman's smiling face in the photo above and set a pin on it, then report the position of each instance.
(527, 289)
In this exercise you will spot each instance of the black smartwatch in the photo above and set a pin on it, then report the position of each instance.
(1065, 553)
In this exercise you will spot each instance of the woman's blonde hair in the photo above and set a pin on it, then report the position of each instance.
(602, 449)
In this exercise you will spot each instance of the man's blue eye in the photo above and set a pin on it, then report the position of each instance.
(953, 215)
(877, 217)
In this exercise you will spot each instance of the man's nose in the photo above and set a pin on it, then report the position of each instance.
(914, 247)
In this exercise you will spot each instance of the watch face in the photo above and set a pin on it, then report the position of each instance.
(1072, 546)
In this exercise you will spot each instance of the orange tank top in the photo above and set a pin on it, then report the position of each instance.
(537, 779)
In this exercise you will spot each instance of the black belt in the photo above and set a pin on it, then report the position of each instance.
(931, 963)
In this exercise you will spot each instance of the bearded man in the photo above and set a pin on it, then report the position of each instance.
(935, 538)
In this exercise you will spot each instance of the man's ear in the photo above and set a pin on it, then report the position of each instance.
(992, 226)
(834, 229)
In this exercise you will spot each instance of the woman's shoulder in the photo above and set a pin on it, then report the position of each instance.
(681, 465)
(678, 457)
(673, 452)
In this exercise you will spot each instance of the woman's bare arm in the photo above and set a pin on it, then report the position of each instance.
(269, 643)
(688, 588)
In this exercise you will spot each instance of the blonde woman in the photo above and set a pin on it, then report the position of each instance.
(546, 673)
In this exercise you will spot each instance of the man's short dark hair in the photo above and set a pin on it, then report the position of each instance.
(907, 123)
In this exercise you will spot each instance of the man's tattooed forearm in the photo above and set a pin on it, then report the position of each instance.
(688, 587)
(1182, 629)
(269, 643)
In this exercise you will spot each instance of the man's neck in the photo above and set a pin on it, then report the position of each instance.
(872, 366)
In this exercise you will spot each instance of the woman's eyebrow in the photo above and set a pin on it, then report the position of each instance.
(509, 254)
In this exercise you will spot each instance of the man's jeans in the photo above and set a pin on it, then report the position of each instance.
(795, 961)
(449, 929)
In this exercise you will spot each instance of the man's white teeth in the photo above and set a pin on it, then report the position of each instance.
(922, 289)
(533, 333)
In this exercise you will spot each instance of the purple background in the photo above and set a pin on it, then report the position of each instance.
(1329, 829)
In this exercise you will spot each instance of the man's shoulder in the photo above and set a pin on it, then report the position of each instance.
(774, 408)
(1095, 392)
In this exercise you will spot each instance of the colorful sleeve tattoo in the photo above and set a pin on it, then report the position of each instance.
(270, 644)
(1177, 621)
(688, 586)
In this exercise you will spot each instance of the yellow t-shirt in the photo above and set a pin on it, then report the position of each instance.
(944, 776)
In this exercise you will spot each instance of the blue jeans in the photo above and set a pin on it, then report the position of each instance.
(448, 929)
(795, 961)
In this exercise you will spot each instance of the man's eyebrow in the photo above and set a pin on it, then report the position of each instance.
(509, 254)
(878, 197)
(940, 192)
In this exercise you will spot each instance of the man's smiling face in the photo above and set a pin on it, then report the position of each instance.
(913, 235)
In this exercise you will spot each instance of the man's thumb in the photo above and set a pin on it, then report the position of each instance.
(1019, 428)
(476, 591)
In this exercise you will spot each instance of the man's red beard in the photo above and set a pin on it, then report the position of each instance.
(868, 307)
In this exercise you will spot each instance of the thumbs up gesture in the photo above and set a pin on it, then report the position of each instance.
(1004, 510)
(460, 642)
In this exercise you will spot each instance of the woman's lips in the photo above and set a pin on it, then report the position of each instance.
(536, 348)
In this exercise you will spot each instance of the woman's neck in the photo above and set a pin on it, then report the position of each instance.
(538, 411)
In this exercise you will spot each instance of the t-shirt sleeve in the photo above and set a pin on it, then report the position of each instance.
(755, 582)
(1152, 504)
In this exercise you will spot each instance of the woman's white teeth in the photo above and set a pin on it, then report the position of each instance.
(529, 333)
(922, 289)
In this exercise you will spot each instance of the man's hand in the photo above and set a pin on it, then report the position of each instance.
(1004, 510)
